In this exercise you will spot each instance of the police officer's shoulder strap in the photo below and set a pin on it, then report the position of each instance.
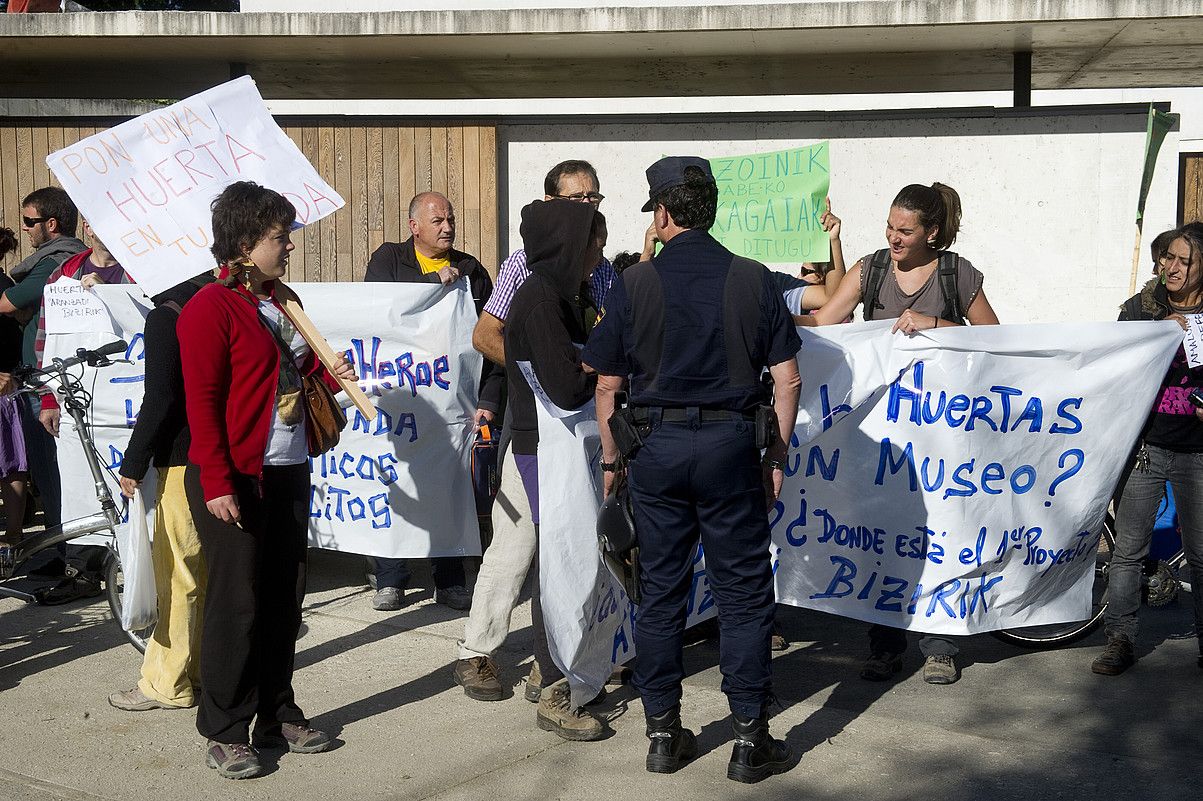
(947, 276)
(878, 266)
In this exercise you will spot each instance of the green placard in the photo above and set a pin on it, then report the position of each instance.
(770, 204)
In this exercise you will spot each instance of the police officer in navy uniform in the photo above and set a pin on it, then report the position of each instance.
(692, 330)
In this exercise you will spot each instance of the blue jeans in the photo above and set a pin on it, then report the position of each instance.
(1136, 503)
(694, 480)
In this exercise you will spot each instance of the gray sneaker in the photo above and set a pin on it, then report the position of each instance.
(387, 599)
(233, 760)
(298, 739)
(137, 701)
(940, 669)
(455, 597)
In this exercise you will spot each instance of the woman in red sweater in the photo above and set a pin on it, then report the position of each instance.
(248, 482)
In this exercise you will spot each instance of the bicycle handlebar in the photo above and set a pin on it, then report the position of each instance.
(31, 376)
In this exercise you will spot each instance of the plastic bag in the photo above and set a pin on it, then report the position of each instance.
(139, 599)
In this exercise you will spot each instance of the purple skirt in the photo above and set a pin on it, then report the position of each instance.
(12, 439)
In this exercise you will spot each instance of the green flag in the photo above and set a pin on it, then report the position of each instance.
(1158, 126)
(770, 204)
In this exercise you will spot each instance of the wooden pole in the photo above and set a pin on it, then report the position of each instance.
(1135, 262)
(323, 350)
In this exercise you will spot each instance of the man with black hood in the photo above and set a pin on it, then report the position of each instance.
(171, 667)
(549, 318)
(428, 257)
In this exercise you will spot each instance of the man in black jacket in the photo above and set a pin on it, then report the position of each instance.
(551, 313)
(171, 667)
(428, 257)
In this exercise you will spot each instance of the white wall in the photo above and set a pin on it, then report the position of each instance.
(469, 5)
(1049, 202)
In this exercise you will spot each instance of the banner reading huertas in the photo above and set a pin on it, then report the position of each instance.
(955, 482)
(396, 486)
(770, 204)
(146, 185)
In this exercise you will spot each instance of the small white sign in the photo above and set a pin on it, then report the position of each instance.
(1193, 341)
(72, 309)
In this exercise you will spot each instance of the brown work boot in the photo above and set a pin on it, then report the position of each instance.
(556, 713)
(478, 677)
(1117, 657)
(534, 684)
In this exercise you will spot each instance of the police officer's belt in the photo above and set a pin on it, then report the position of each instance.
(681, 414)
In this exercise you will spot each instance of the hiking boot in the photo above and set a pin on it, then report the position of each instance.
(478, 677)
(233, 760)
(534, 684)
(137, 701)
(756, 755)
(73, 588)
(880, 666)
(456, 597)
(672, 745)
(940, 669)
(299, 739)
(556, 713)
(387, 599)
(1117, 657)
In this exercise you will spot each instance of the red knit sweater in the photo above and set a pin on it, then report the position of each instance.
(231, 366)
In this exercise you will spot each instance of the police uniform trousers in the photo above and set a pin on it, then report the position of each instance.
(696, 479)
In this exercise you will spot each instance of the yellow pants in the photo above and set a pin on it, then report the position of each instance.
(171, 668)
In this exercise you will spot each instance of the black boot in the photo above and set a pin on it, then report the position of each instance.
(756, 755)
(672, 745)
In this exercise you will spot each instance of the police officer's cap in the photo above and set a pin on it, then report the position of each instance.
(669, 172)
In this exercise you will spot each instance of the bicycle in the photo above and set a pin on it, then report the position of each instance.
(1162, 580)
(75, 401)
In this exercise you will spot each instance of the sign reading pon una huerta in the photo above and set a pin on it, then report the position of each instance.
(146, 185)
(770, 204)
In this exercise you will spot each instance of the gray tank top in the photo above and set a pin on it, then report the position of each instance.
(929, 299)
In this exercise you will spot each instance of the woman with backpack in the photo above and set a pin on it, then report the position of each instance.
(921, 284)
(917, 279)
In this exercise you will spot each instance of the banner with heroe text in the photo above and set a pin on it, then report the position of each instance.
(145, 185)
(396, 486)
(770, 204)
(955, 482)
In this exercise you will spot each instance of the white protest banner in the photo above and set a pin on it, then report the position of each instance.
(70, 308)
(146, 185)
(1193, 342)
(955, 482)
(396, 486)
(585, 610)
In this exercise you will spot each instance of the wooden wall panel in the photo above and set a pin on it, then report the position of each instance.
(376, 164)
(1190, 187)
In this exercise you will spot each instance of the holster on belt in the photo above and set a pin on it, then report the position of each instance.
(766, 426)
(625, 431)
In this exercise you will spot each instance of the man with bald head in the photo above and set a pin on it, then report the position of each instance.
(428, 257)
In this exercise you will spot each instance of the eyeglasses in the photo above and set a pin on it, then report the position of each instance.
(583, 197)
(30, 222)
(1168, 259)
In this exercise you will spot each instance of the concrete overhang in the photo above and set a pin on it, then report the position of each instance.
(792, 48)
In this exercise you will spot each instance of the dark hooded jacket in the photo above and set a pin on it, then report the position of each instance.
(397, 262)
(549, 316)
(161, 432)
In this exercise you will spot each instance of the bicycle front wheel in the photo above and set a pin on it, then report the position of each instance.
(1058, 634)
(114, 585)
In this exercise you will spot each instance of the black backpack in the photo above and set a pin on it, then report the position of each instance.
(879, 265)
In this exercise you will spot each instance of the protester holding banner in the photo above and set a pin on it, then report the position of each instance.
(508, 558)
(923, 284)
(171, 666)
(1170, 450)
(428, 257)
(247, 481)
(49, 219)
(549, 315)
(692, 330)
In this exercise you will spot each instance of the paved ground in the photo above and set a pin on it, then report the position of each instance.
(1019, 725)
